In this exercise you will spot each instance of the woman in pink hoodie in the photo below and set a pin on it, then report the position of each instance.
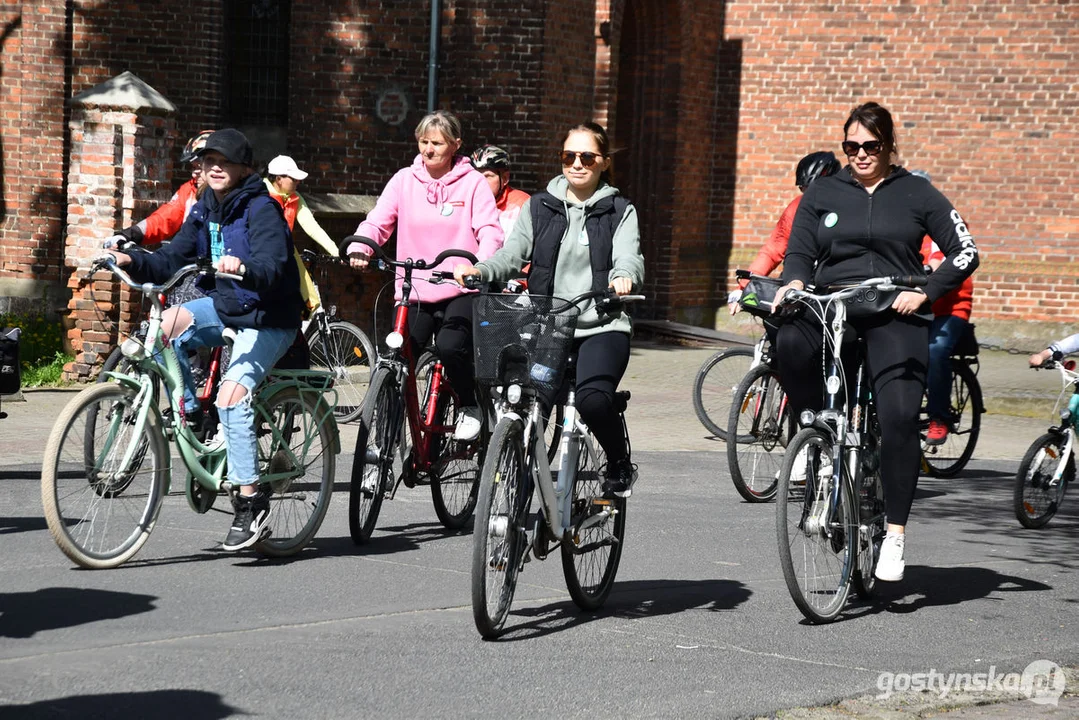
(438, 202)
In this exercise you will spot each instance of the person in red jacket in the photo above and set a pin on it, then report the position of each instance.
(166, 221)
(494, 163)
(951, 316)
(811, 167)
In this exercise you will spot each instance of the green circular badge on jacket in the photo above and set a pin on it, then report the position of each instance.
(830, 220)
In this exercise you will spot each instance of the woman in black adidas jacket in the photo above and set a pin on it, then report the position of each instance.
(868, 220)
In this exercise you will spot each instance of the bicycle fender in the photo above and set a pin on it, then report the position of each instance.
(322, 408)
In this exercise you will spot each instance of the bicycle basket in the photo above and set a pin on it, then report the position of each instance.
(521, 339)
(758, 295)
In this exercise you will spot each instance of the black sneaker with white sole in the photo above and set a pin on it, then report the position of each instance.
(621, 474)
(250, 523)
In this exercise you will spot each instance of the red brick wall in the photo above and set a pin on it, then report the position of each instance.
(711, 105)
(984, 96)
(32, 139)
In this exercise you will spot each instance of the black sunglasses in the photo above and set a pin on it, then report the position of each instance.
(588, 159)
(872, 147)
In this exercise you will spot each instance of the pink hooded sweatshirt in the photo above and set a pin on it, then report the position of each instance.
(455, 211)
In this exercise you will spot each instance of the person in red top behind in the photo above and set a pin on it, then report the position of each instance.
(166, 221)
(811, 167)
(951, 316)
(494, 163)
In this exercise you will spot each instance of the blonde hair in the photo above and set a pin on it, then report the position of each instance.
(443, 121)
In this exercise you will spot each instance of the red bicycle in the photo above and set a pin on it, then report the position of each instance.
(407, 424)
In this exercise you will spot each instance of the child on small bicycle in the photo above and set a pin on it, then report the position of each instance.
(243, 232)
(580, 235)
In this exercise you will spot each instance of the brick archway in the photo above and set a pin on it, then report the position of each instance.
(646, 133)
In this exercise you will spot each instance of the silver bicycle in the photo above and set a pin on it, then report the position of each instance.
(523, 350)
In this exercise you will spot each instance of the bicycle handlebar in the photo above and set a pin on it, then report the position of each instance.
(108, 262)
(408, 263)
(887, 283)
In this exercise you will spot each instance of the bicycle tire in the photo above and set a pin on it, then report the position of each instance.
(872, 519)
(714, 386)
(819, 596)
(590, 560)
(298, 504)
(760, 423)
(965, 406)
(455, 473)
(348, 355)
(92, 525)
(379, 434)
(500, 514)
(1034, 499)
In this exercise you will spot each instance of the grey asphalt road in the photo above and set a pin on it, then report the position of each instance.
(699, 624)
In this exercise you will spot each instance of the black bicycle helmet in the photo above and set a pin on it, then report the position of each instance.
(813, 166)
(490, 157)
(196, 143)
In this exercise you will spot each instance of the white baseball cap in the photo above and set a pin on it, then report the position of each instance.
(284, 165)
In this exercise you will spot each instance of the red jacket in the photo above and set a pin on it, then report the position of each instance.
(959, 301)
(771, 255)
(166, 221)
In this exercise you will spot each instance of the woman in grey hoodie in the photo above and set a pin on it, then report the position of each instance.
(581, 234)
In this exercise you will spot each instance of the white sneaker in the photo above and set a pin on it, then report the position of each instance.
(798, 469)
(468, 424)
(890, 565)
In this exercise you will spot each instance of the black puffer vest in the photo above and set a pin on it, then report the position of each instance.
(549, 225)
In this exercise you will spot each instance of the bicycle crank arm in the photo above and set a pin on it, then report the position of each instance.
(593, 546)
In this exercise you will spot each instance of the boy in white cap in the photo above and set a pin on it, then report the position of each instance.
(283, 177)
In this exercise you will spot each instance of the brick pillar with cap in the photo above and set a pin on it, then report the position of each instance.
(122, 132)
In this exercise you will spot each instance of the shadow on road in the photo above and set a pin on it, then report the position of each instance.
(24, 614)
(924, 586)
(9, 525)
(159, 704)
(631, 601)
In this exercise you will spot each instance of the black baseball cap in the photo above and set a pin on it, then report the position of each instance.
(231, 143)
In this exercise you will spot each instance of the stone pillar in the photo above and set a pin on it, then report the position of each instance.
(122, 132)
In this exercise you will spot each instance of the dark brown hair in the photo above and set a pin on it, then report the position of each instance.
(878, 121)
(602, 142)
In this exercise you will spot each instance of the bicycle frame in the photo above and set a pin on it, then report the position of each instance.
(402, 361)
(205, 462)
(1069, 418)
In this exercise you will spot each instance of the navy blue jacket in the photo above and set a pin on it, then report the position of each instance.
(252, 227)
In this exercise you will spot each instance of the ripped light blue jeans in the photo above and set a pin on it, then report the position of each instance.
(253, 356)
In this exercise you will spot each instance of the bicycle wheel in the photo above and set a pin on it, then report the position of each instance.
(817, 555)
(964, 422)
(871, 520)
(302, 447)
(1037, 497)
(455, 473)
(713, 389)
(376, 464)
(498, 539)
(592, 548)
(758, 430)
(98, 512)
(348, 354)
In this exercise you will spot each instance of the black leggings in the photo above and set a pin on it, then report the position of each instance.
(601, 361)
(450, 321)
(897, 350)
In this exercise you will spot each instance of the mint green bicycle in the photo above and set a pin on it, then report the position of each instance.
(108, 467)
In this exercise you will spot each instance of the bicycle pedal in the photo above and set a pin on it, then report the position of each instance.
(603, 502)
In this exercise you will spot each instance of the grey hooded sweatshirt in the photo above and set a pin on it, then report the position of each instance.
(573, 274)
